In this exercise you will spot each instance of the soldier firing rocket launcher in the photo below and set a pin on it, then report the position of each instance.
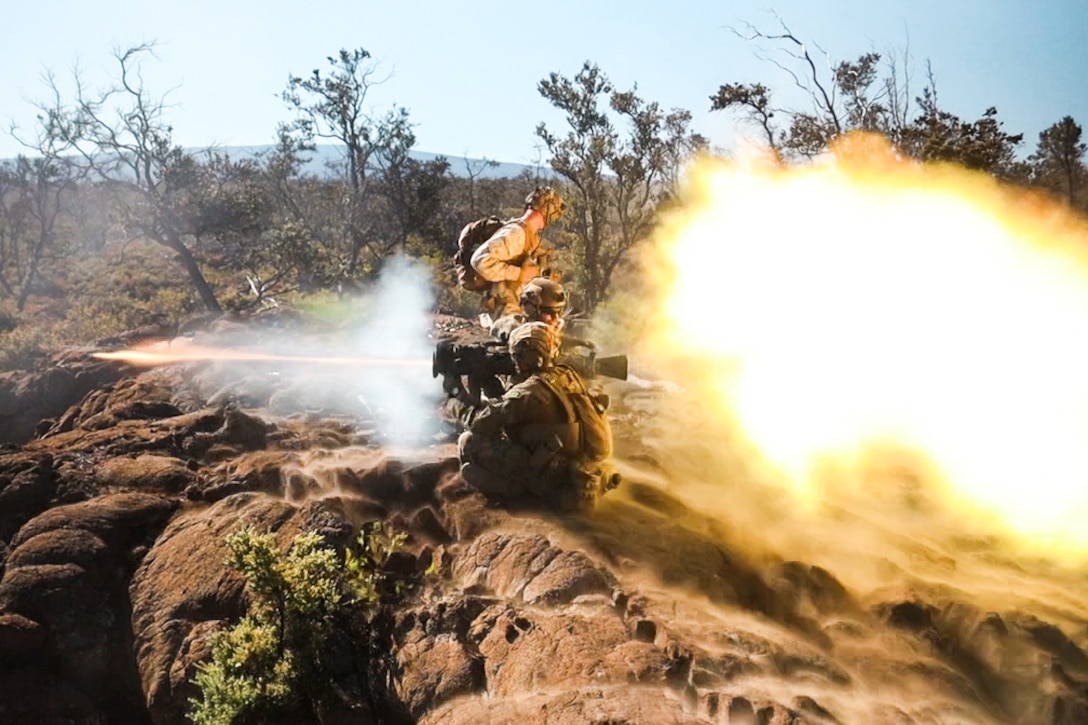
(475, 367)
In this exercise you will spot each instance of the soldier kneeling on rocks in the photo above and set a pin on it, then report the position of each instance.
(546, 438)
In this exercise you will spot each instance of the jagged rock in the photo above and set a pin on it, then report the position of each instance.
(68, 572)
(813, 590)
(648, 610)
(32, 694)
(209, 435)
(808, 706)
(145, 397)
(427, 523)
(398, 485)
(266, 471)
(184, 591)
(27, 485)
(435, 659)
(27, 398)
(912, 615)
(531, 569)
(631, 704)
(183, 588)
(148, 472)
(121, 520)
(525, 653)
(20, 638)
(242, 429)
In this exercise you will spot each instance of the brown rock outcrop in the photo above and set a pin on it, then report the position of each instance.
(112, 547)
(68, 573)
(183, 591)
(29, 398)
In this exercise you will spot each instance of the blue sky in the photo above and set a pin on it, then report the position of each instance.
(468, 71)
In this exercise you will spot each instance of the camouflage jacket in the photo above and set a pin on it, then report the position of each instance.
(499, 259)
(529, 414)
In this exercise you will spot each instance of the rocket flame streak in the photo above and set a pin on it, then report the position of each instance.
(152, 358)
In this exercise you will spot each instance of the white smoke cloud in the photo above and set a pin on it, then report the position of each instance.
(397, 326)
(373, 365)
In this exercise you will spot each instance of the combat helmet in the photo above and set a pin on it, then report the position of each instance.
(536, 336)
(542, 295)
(545, 200)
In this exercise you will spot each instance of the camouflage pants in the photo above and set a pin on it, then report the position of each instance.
(505, 463)
(500, 467)
(502, 299)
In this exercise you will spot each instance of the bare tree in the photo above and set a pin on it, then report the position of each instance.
(617, 177)
(332, 105)
(843, 95)
(41, 182)
(849, 96)
(13, 223)
(121, 137)
(474, 168)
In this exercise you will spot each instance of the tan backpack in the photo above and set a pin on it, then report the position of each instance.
(472, 236)
(584, 412)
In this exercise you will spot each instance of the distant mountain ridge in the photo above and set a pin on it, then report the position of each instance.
(325, 155)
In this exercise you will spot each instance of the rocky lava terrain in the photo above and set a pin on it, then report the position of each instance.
(118, 486)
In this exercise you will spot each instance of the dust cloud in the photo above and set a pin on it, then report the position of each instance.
(879, 368)
(882, 369)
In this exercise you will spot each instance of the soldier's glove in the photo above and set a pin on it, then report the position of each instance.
(451, 385)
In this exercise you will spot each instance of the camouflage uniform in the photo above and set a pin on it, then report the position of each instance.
(527, 444)
(499, 261)
(540, 295)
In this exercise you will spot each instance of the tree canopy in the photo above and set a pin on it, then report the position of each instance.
(103, 172)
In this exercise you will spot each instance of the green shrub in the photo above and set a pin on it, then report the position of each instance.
(24, 347)
(272, 661)
(367, 581)
(248, 675)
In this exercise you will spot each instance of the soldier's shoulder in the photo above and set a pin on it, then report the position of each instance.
(532, 386)
(514, 226)
(565, 375)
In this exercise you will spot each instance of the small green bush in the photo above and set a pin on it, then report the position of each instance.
(273, 659)
(24, 347)
(367, 581)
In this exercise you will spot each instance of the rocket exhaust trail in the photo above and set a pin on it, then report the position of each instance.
(160, 354)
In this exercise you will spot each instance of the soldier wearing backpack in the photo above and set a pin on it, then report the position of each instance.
(500, 258)
(547, 438)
